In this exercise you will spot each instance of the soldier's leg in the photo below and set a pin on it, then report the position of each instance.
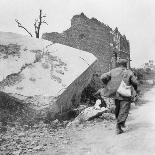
(117, 108)
(123, 113)
(117, 112)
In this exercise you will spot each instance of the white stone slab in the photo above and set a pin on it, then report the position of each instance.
(42, 68)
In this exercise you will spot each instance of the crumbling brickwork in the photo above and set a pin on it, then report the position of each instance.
(95, 37)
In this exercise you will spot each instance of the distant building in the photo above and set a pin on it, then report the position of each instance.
(150, 65)
(95, 37)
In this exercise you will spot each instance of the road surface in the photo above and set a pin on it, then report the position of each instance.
(96, 139)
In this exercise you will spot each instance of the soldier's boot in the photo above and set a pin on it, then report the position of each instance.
(118, 129)
(123, 125)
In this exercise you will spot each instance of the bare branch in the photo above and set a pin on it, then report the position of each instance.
(44, 22)
(39, 22)
(21, 26)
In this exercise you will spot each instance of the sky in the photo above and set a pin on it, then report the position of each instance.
(134, 18)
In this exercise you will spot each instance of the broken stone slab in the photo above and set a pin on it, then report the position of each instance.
(48, 78)
(88, 114)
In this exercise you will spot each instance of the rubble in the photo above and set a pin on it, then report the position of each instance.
(23, 140)
(88, 114)
(17, 141)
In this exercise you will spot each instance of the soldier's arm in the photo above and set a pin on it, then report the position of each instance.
(105, 77)
(134, 81)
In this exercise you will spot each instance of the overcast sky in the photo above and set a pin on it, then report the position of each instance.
(134, 18)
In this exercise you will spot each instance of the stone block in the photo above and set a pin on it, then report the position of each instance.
(47, 77)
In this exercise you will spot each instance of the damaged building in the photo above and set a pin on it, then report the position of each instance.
(95, 37)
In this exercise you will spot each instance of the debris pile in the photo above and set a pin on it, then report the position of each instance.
(19, 140)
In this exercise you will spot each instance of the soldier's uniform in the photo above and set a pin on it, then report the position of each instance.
(114, 78)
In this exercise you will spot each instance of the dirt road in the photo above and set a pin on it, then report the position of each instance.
(100, 139)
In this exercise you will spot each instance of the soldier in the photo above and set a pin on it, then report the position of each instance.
(113, 80)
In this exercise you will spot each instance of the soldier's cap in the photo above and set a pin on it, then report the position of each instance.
(122, 61)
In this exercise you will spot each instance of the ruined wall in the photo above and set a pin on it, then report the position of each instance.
(93, 36)
(121, 46)
(88, 35)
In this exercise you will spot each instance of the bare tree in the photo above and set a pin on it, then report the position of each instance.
(37, 24)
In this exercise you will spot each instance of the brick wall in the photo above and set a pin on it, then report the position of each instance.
(95, 37)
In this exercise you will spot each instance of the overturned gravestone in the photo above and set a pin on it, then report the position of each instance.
(47, 77)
